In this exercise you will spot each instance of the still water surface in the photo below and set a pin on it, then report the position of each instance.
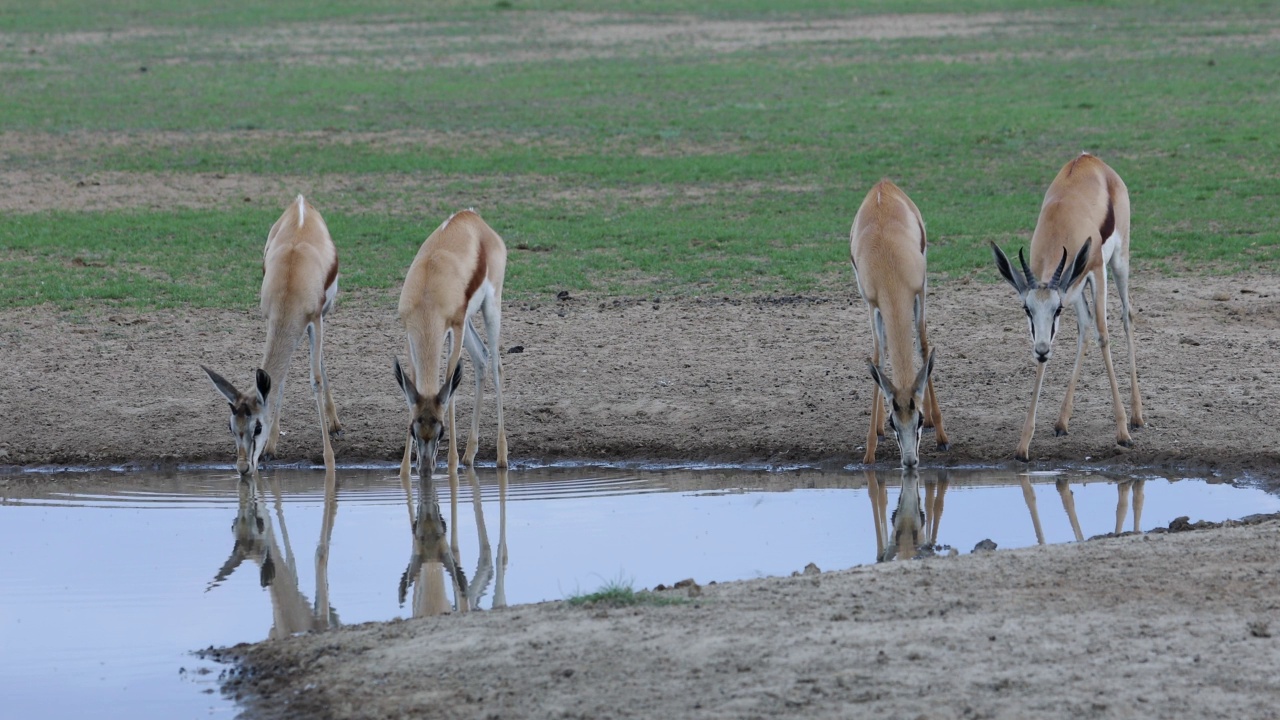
(109, 581)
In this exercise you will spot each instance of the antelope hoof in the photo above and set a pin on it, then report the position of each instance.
(1024, 456)
(869, 459)
(1124, 442)
(267, 456)
(1059, 431)
(944, 446)
(1137, 424)
(336, 433)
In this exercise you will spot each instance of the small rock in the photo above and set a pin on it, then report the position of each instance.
(812, 569)
(1260, 629)
(1221, 296)
(515, 349)
(563, 295)
(987, 545)
(1189, 341)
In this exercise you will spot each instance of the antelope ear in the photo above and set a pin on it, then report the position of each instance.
(878, 375)
(1006, 269)
(264, 385)
(406, 386)
(922, 377)
(222, 386)
(1077, 267)
(446, 392)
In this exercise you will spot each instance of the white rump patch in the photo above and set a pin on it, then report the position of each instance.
(302, 210)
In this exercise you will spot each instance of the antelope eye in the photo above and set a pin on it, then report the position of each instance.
(920, 420)
(1026, 310)
(257, 428)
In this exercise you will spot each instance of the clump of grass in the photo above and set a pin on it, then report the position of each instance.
(620, 593)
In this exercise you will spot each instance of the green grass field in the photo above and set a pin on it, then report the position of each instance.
(615, 154)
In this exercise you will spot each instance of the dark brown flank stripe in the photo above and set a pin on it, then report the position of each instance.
(922, 243)
(1108, 225)
(477, 277)
(328, 279)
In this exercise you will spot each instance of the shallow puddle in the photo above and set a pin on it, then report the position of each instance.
(111, 580)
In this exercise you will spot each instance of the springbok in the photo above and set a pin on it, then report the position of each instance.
(457, 272)
(887, 249)
(1083, 229)
(299, 284)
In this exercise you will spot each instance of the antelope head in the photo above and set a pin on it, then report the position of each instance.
(248, 411)
(1043, 301)
(427, 425)
(906, 405)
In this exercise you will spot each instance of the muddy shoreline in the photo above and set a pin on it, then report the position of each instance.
(760, 381)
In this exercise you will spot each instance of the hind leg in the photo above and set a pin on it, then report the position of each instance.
(1120, 266)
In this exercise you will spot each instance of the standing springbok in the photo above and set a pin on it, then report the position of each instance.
(457, 272)
(299, 284)
(887, 249)
(1083, 229)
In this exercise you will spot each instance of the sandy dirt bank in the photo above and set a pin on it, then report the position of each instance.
(756, 380)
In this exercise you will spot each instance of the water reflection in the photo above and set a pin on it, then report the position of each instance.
(432, 559)
(1123, 489)
(913, 525)
(256, 540)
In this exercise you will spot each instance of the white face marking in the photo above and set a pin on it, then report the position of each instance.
(1043, 308)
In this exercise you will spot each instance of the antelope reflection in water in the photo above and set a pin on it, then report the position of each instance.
(913, 525)
(1123, 488)
(255, 539)
(433, 559)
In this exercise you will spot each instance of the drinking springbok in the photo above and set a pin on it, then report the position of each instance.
(457, 272)
(887, 249)
(299, 284)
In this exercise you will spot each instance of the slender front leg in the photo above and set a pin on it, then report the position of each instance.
(320, 388)
(331, 410)
(455, 356)
(1082, 341)
(877, 408)
(274, 401)
(1100, 307)
(1029, 426)
(932, 412)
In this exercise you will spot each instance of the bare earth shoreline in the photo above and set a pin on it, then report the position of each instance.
(1139, 626)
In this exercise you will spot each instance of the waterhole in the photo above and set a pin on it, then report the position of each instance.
(111, 581)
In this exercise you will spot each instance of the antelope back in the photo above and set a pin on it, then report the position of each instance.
(299, 263)
(887, 246)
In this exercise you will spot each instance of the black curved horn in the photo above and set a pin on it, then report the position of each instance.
(1057, 274)
(1031, 279)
